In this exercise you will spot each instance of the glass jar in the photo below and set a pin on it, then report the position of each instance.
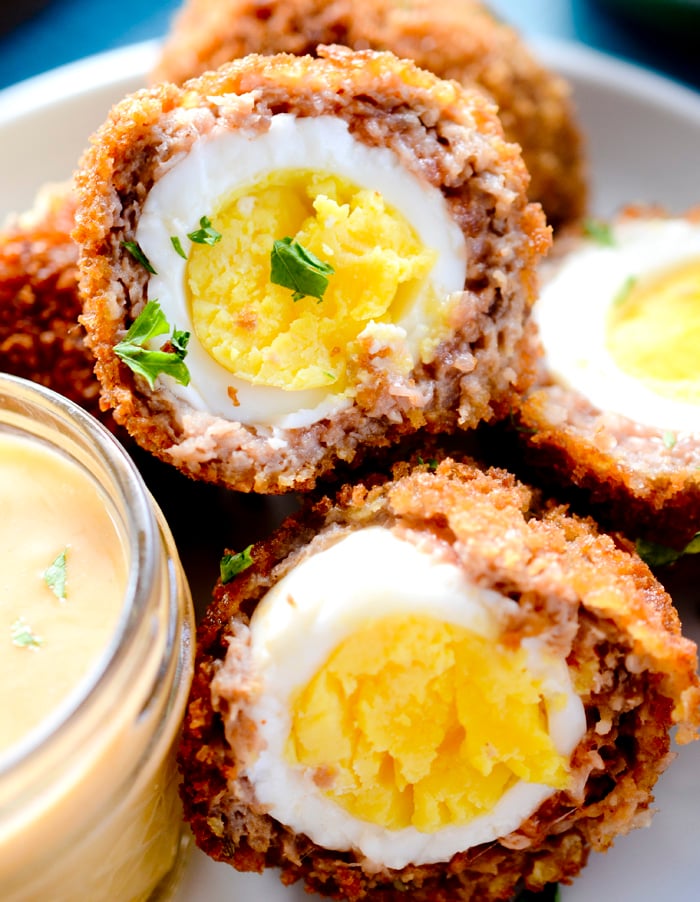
(89, 804)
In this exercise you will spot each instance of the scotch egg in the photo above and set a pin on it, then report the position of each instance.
(347, 678)
(429, 682)
(620, 322)
(291, 260)
(616, 407)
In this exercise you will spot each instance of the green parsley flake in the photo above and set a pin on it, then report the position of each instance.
(139, 255)
(177, 244)
(55, 576)
(205, 234)
(293, 266)
(23, 636)
(132, 349)
(599, 231)
(233, 564)
(669, 439)
(656, 555)
(624, 291)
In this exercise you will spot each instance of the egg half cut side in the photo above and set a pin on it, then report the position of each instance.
(390, 717)
(256, 355)
(620, 322)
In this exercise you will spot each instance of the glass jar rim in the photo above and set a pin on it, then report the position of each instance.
(27, 400)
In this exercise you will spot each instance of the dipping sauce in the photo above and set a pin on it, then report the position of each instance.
(63, 576)
(96, 625)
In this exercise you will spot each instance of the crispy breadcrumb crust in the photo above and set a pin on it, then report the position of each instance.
(596, 603)
(457, 39)
(634, 478)
(40, 337)
(443, 134)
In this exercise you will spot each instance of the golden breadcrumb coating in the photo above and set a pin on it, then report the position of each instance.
(457, 39)
(597, 603)
(445, 136)
(40, 337)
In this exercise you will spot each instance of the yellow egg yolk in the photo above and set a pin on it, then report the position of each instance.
(654, 332)
(416, 722)
(255, 329)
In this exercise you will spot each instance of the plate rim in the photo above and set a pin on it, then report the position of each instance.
(571, 59)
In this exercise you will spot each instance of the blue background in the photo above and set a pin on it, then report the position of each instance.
(66, 30)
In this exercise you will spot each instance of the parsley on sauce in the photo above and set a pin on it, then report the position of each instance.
(55, 575)
(23, 636)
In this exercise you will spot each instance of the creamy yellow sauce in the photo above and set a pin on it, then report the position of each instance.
(50, 507)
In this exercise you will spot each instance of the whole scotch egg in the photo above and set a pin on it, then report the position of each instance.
(616, 408)
(433, 687)
(291, 260)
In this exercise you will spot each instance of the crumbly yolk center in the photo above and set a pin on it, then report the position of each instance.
(654, 332)
(416, 722)
(255, 329)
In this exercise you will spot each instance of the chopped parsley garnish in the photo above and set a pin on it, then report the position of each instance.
(205, 234)
(599, 231)
(624, 291)
(23, 636)
(669, 439)
(139, 255)
(169, 360)
(656, 555)
(233, 564)
(55, 576)
(431, 463)
(293, 266)
(177, 244)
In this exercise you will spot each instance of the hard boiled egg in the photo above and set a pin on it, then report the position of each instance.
(392, 716)
(620, 322)
(258, 354)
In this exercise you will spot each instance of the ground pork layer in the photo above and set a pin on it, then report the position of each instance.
(632, 476)
(460, 40)
(441, 133)
(40, 337)
(594, 601)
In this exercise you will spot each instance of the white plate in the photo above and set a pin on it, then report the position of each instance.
(644, 145)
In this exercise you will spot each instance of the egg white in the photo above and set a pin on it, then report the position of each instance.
(574, 304)
(216, 166)
(374, 573)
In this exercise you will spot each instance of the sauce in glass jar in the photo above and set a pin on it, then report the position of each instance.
(96, 621)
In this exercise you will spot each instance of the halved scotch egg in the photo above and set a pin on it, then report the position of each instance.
(616, 409)
(431, 687)
(292, 259)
